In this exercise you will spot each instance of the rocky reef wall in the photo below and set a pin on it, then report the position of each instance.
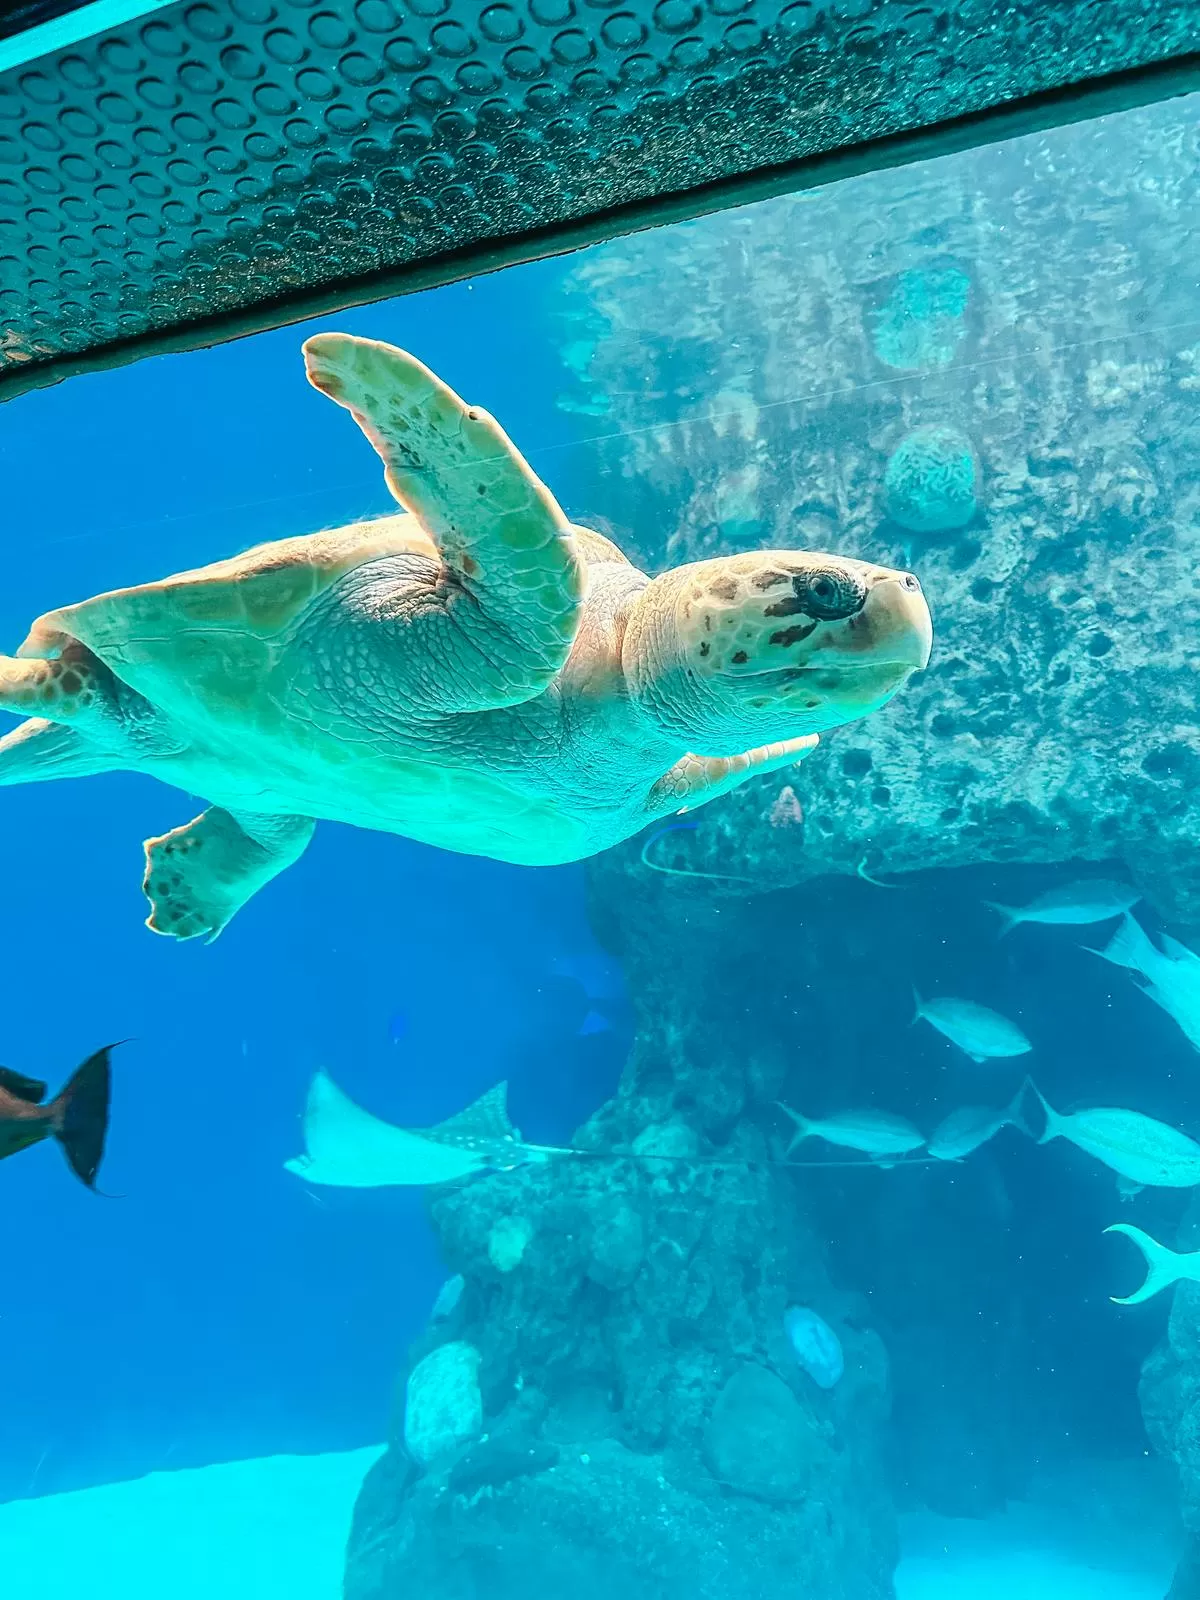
(640, 1421)
(619, 1335)
(987, 368)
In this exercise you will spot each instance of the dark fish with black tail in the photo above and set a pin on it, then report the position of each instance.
(77, 1117)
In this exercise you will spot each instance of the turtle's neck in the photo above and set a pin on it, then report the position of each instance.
(665, 691)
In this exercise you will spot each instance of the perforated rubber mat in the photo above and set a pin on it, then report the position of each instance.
(229, 164)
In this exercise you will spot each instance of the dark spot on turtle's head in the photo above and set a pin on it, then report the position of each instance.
(739, 658)
(769, 580)
(793, 635)
(70, 682)
(708, 622)
(481, 488)
(705, 647)
(724, 588)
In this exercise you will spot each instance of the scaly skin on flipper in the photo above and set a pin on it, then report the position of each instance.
(695, 780)
(38, 751)
(512, 579)
(74, 688)
(198, 875)
(446, 673)
(86, 717)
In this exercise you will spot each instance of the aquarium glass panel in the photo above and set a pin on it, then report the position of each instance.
(664, 787)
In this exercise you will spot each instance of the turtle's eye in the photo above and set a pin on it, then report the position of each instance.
(829, 595)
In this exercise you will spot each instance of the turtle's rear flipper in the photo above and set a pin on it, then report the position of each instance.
(39, 750)
(83, 720)
(72, 687)
(199, 875)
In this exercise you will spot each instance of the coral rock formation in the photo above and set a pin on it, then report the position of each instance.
(1034, 301)
(647, 1428)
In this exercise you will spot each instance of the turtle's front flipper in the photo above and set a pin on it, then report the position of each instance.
(199, 875)
(513, 578)
(695, 780)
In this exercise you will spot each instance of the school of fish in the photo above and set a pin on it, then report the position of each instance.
(347, 1146)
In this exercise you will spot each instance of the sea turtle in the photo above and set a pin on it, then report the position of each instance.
(476, 671)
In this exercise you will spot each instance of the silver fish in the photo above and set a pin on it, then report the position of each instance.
(970, 1127)
(346, 1147)
(1135, 1146)
(978, 1032)
(1092, 900)
(876, 1133)
(1163, 1267)
(1172, 974)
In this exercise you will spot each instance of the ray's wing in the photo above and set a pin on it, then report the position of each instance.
(485, 1119)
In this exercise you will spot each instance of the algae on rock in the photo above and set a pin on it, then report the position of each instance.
(1033, 301)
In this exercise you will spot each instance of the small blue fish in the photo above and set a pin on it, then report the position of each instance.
(597, 975)
(978, 1032)
(875, 1133)
(594, 1022)
(970, 1127)
(1072, 905)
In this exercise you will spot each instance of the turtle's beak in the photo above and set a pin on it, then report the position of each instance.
(893, 628)
(900, 619)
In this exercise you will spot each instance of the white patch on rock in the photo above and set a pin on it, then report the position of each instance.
(443, 1407)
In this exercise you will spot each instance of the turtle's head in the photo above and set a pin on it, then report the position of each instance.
(749, 649)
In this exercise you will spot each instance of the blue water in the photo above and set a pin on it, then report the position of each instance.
(217, 1314)
(218, 1309)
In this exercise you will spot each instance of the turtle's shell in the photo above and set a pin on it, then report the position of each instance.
(202, 645)
(210, 637)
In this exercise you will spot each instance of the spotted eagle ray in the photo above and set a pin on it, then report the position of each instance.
(349, 1148)
(346, 1147)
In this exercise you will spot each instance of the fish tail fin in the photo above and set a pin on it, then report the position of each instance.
(1009, 916)
(803, 1126)
(1131, 946)
(1015, 1109)
(1163, 1266)
(80, 1116)
(918, 1006)
(1053, 1128)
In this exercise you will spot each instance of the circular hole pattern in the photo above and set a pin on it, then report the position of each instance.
(211, 137)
